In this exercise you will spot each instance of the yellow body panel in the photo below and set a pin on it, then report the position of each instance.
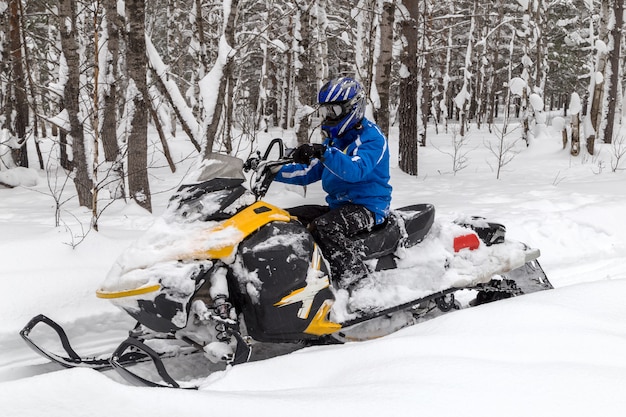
(127, 293)
(242, 225)
(245, 222)
(320, 325)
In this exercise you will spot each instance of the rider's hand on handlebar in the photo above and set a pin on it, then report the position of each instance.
(305, 152)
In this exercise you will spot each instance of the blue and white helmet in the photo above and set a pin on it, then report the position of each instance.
(342, 103)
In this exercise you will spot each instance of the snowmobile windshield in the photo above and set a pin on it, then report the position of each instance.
(221, 166)
(215, 193)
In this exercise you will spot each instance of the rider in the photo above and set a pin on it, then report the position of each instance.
(353, 164)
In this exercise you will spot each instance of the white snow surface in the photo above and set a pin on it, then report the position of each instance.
(554, 353)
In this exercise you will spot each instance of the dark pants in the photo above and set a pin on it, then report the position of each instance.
(332, 230)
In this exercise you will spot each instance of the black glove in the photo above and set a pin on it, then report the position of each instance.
(305, 152)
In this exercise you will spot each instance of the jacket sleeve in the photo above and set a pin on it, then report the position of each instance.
(369, 151)
(300, 174)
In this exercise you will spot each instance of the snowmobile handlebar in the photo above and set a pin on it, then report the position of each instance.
(264, 169)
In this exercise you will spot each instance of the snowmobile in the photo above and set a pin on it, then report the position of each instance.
(224, 272)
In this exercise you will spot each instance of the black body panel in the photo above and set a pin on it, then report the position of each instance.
(279, 254)
(224, 191)
(158, 314)
(169, 311)
(490, 233)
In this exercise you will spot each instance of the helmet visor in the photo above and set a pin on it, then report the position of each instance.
(334, 111)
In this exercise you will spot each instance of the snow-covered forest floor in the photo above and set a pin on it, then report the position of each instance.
(555, 353)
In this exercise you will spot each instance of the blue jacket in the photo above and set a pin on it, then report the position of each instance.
(354, 169)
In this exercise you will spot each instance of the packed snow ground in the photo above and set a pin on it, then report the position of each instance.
(555, 353)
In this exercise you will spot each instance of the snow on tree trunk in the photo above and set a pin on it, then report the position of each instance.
(261, 105)
(213, 85)
(136, 59)
(541, 64)
(364, 15)
(109, 74)
(174, 43)
(528, 73)
(464, 96)
(304, 76)
(383, 65)
(321, 52)
(168, 87)
(598, 75)
(445, 104)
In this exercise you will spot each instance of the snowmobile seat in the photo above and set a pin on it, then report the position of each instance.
(416, 221)
(381, 241)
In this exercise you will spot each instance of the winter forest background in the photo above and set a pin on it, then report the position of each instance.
(81, 81)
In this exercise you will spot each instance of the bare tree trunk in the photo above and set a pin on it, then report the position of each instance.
(408, 94)
(33, 95)
(425, 79)
(383, 66)
(228, 120)
(18, 85)
(287, 84)
(492, 104)
(614, 61)
(575, 134)
(172, 46)
(109, 112)
(138, 184)
(69, 45)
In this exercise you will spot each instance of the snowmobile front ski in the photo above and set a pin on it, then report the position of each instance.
(74, 360)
